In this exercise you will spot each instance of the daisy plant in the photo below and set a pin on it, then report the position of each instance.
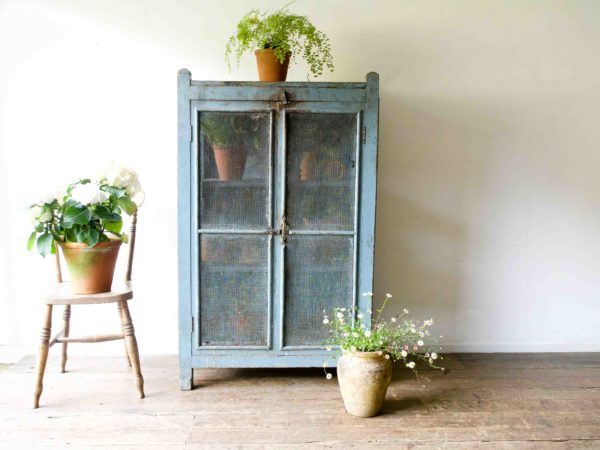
(87, 211)
(400, 339)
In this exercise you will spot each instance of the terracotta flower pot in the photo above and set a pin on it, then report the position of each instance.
(269, 67)
(364, 378)
(231, 161)
(91, 269)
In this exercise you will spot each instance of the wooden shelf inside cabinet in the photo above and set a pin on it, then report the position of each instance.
(317, 184)
(249, 183)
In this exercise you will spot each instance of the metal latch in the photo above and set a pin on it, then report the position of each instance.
(283, 100)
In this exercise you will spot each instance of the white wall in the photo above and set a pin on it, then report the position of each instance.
(488, 215)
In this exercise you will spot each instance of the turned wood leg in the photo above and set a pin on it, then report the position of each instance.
(120, 309)
(132, 348)
(66, 326)
(42, 356)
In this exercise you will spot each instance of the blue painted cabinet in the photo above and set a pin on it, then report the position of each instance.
(276, 204)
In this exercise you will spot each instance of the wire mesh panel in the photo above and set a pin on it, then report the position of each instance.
(318, 276)
(234, 290)
(234, 169)
(321, 169)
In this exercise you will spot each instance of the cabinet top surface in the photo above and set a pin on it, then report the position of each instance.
(371, 76)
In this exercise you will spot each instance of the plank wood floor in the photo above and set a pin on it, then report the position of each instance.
(500, 401)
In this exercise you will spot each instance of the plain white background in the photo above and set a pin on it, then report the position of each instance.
(488, 210)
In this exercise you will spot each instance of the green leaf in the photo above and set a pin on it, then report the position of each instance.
(31, 240)
(76, 215)
(106, 214)
(115, 191)
(44, 244)
(127, 205)
(91, 237)
(113, 227)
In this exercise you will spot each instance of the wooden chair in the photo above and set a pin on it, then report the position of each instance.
(62, 295)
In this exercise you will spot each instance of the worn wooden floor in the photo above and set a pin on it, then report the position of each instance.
(501, 401)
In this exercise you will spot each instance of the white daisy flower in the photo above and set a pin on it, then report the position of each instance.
(328, 376)
(411, 365)
(325, 321)
(434, 355)
(360, 315)
(404, 353)
(339, 315)
(388, 295)
(387, 356)
(367, 333)
(393, 319)
(405, 311)
(421, 343)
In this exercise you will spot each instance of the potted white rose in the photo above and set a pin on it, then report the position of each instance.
(365, 368)
(86, 222)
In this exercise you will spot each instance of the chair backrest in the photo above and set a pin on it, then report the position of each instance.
(128, 273)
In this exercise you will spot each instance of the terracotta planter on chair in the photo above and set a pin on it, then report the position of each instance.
(269, 67)
(91, 269)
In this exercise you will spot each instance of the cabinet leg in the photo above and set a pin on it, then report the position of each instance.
(132, 348)
(66, 327)
(186, 378)
(42, 356)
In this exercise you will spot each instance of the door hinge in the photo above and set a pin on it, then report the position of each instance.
(363, 135)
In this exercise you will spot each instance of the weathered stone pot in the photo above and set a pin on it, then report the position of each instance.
(91, 269)
(364, 378)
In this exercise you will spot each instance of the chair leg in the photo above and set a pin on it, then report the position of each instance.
(120, 309)
(42, 356)
(132, 348)
(66, 326)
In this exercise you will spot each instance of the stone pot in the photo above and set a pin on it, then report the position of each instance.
(269, 67)
(230, 161)
(364, 378)
(91, 269)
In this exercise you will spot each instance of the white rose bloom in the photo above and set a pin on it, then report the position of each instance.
(393, 319)
(420, 343)
(367, 333)
(411, 365)
(387, 356)
(405, 311)
(123, 177)
(34, 212)
(328, 376)
(388, 295)
(325, 321)
(339, 315)
(434, 355)
(87, 194)
(404, 353)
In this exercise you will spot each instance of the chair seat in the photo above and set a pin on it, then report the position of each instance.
(62, 295)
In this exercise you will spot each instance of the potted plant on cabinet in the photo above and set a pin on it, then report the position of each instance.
(275, 39)
(365, 368)
(86, 222)
(230, 135)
